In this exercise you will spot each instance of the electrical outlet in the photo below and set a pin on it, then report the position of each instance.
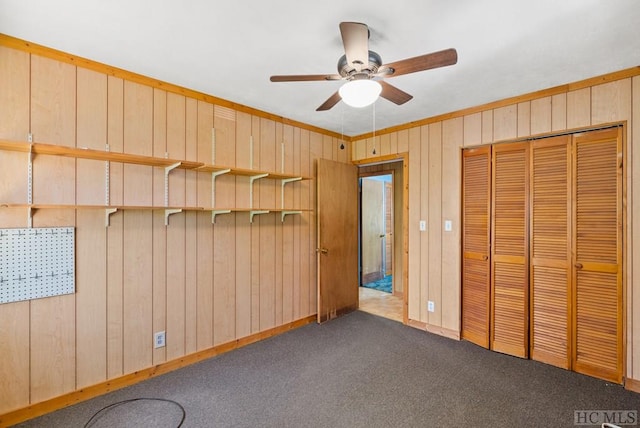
(423, 225)
(447, 226)
(431, 307)
(159, 339)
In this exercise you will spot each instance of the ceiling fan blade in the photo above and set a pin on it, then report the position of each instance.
(333, 100)
(423, 62)
(394, 94)
(355, 38)
(305, 77)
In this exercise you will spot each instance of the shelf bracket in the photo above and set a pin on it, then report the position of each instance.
(168, 212)
(214, 213)
(107, 215)
(215, 174)
(282, 184)
(167, 170)
(30, 213)
(251, 180)
(286, 213)
(256, 212)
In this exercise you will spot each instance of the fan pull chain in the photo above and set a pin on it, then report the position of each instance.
(342, 127)
(374, 128)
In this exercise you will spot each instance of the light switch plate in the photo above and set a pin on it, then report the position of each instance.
(447, 226)
(423, 225)
(431, 307)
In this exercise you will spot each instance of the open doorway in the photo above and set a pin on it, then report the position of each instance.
(381, 290)
(376, 232)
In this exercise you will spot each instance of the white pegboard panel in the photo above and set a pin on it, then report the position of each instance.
(36, 262)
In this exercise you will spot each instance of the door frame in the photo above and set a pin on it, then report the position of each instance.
(404, 158)
(360, 212)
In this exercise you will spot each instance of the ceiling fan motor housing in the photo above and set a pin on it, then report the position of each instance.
(348, 71)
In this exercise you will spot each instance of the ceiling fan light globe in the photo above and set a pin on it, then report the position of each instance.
(360, 93)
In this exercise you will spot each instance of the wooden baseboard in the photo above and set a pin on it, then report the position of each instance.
(440, 331)
(71, 398)
(632, 384)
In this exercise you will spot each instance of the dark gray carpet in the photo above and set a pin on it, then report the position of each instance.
(357, 371)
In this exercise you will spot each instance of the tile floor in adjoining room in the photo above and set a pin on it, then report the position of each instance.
(380, 303)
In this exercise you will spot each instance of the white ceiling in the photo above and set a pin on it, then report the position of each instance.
(229, 49)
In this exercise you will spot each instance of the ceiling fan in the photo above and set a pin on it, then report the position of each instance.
(362, 67)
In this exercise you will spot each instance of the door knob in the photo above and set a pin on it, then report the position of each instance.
(485, 258)
(578, 265)
(381, 236)
(322, 250)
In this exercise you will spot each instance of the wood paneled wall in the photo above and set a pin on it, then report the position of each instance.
(435, 193)
(204, 284)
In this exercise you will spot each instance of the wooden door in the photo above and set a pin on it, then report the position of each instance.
(337, 209)
(550, 263)
(476, 211)
(509, 258)
(373, 229)
(597, 261)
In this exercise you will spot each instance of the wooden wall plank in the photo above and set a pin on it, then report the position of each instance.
(297, 220)
(91, 235)
(279, 161)
(306, 226)
(393, 143)
(611, 102)
(191, 179)
(287, 228)
(138, 231)
(137, 294)
(487, 126)
(413, 288)
(115, 139)
(425, 192)
(52, 320)
(224, 280)
(267, 226)
(159, 229)
(176, 231)
(524, 119)
(191, 296)
(579, 108)
(53, 111)
(52, 332)
(255, 231)
(505, 122)
(314, 153)
(452, 141)
(403, 141)
(91, 298)
(435, 225)
(541, 115)
(204, 237)
(15, 75)
(473, 129)
(243, 230)
(138, 139)
(559, 112)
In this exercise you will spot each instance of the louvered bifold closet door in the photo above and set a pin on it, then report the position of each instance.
(597, 270)
(509, 258)
(550, 251)
(476, 208)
